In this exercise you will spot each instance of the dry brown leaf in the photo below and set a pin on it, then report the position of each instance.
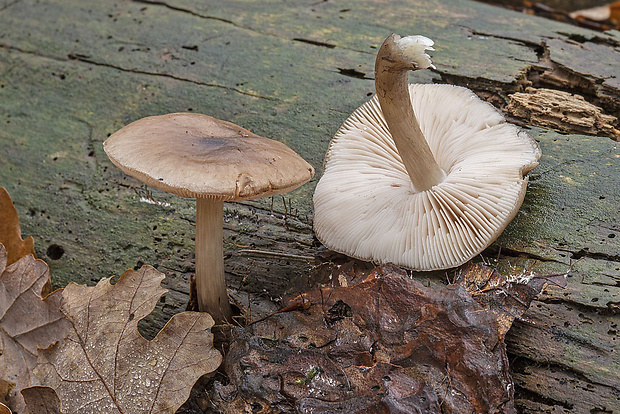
(4, 409)
(6, 388)
(106, 366)
(26, 322)
(10, 232)
(41, 400)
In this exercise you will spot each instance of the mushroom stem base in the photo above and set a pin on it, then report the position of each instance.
(210, 278)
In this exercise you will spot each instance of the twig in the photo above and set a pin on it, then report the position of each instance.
(282, 256)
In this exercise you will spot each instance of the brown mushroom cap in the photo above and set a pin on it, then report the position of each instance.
(196, 156)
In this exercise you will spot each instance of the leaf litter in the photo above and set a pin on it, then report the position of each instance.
(365, 340)
(105, 365)
(378, 341)
(29, 314)
(78, 349)
(10, 232)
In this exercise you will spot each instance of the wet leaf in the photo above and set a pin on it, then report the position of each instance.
(26, 322)
(41, 400)
(506, 299)
(387, 344)
(10, 232)
(106, 366)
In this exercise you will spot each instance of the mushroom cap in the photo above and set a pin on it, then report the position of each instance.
(195, 155)
(365, 205)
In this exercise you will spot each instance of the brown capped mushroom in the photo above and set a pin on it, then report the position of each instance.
(423, 176)
(201, 157)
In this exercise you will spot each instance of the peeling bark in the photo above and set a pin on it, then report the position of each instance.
(562, 112)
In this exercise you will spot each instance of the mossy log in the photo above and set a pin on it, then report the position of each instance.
(73, 72)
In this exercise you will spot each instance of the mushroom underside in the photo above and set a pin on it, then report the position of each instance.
(366, 206)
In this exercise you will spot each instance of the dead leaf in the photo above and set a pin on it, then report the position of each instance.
(10, 232)
(4, 409)
(505, 299)
(41, 400)
(26, 322)
(600, 18)
(385, 345)
(106, 366)
(6, 388)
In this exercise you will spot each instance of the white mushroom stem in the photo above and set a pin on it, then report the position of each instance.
(396, 57)
(210, 278)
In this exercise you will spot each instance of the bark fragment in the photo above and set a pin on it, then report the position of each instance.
(562, 112)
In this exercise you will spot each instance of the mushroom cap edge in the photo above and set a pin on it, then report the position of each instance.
(195, 155)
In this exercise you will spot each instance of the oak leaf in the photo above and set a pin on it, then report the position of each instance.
(10, 232)
(105, 365)
(505, 298)
(26, 322)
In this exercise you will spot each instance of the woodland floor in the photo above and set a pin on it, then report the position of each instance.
(73, 72)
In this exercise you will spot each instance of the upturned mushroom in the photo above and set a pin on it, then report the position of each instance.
(197, 156)
(423, 176)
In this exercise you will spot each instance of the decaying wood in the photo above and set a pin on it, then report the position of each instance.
(561, 111)
(74, 72)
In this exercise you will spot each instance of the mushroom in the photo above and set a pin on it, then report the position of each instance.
(197, 156)
(423, 176)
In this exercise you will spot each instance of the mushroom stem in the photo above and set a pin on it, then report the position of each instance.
(210, 278)
(396, 57)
